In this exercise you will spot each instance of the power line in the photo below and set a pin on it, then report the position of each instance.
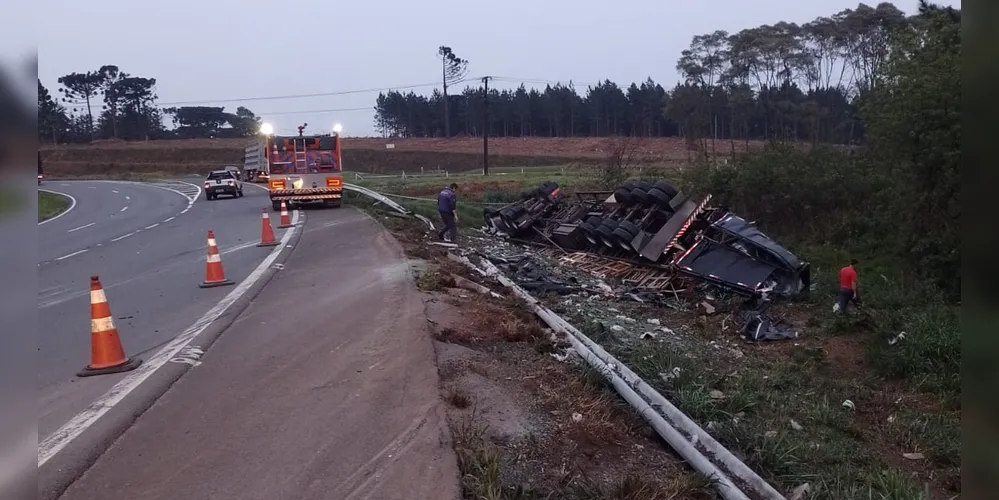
(505, 79)
(302, 96)
(315, 111)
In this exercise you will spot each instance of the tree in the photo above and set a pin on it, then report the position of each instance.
(139, 119)
(243, 123)
(78, 89)
(914, 120)
(109, 81)
(198, 121)
(453, 71)
(53, 124)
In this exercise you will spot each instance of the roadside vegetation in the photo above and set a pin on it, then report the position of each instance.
(866, 405)
(51, 205)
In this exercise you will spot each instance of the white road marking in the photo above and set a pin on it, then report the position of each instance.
(170, 219)
(81, 422)
(72, 205)
(152, 226)
(78, 252)
(237, 248)
(57, 296)
(127, 197)
(81, 227)
(123, 236)
(126, 208)
(114, 191)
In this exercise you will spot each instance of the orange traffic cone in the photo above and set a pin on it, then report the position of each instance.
(266, 233)
(285, 218)
(106, 353)
(214, 274)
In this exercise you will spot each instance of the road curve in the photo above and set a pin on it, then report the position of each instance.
(147, 244)
(103, 212)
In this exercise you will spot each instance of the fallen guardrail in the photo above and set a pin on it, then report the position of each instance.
(732, 478)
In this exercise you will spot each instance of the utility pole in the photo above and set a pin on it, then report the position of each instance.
(485, 126)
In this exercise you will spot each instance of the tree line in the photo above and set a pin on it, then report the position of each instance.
(783, 81)
(108, 103)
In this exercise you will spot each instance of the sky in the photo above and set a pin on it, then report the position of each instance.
(204, 52)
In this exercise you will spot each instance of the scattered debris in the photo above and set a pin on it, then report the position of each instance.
(716, 394)
(759, 325)
(849, 405)
(801, 492)
(705, 308)
(896, 338)
(796, 426)
(914, 456)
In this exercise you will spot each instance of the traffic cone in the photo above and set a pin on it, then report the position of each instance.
(266, 233)
(285, 218)
(214, 274)
(106, 354)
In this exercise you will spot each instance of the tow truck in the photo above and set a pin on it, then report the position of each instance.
(303, 169)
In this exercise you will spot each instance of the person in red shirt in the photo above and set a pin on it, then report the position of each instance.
(847, 287)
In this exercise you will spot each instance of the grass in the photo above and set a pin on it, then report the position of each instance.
(928, 357)
(51, 205)
(907, 393)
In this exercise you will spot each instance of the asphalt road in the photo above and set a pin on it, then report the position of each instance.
(147, 243)
(325, 387)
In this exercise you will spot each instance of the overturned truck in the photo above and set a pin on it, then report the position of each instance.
(654, 225)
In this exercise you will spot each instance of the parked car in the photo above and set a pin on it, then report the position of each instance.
(223, 182)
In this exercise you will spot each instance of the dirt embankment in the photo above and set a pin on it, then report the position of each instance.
(377, 155)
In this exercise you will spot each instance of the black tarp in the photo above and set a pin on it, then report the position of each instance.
(737, 226)
(714, 261)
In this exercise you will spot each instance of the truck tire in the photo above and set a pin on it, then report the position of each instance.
(606, 232)
(641, 196)
(590, 229)
(660, 198)
(666, 187)
(624, 197)
(276, 205)
(624, 233)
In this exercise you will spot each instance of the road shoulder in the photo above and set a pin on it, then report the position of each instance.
(74, 448)
(325, 387)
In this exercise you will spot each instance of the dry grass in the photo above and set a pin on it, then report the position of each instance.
(577, 147)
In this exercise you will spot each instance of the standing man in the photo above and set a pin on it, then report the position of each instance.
(847, 288)
(447, 205)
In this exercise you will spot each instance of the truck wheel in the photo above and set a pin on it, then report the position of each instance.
(667, 188)
(624, 233)
(660, 198)
(276, 205)
(605, 232)
(239, 194)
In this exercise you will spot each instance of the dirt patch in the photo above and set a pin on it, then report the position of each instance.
(529, 422)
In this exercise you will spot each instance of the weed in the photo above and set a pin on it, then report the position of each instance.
(478, 460)
(433, 281)
(880, 485)
(457, 398)
(939, 436)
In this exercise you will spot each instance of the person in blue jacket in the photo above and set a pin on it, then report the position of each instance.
(447, 205)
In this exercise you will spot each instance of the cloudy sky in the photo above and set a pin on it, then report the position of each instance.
(204, 52)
